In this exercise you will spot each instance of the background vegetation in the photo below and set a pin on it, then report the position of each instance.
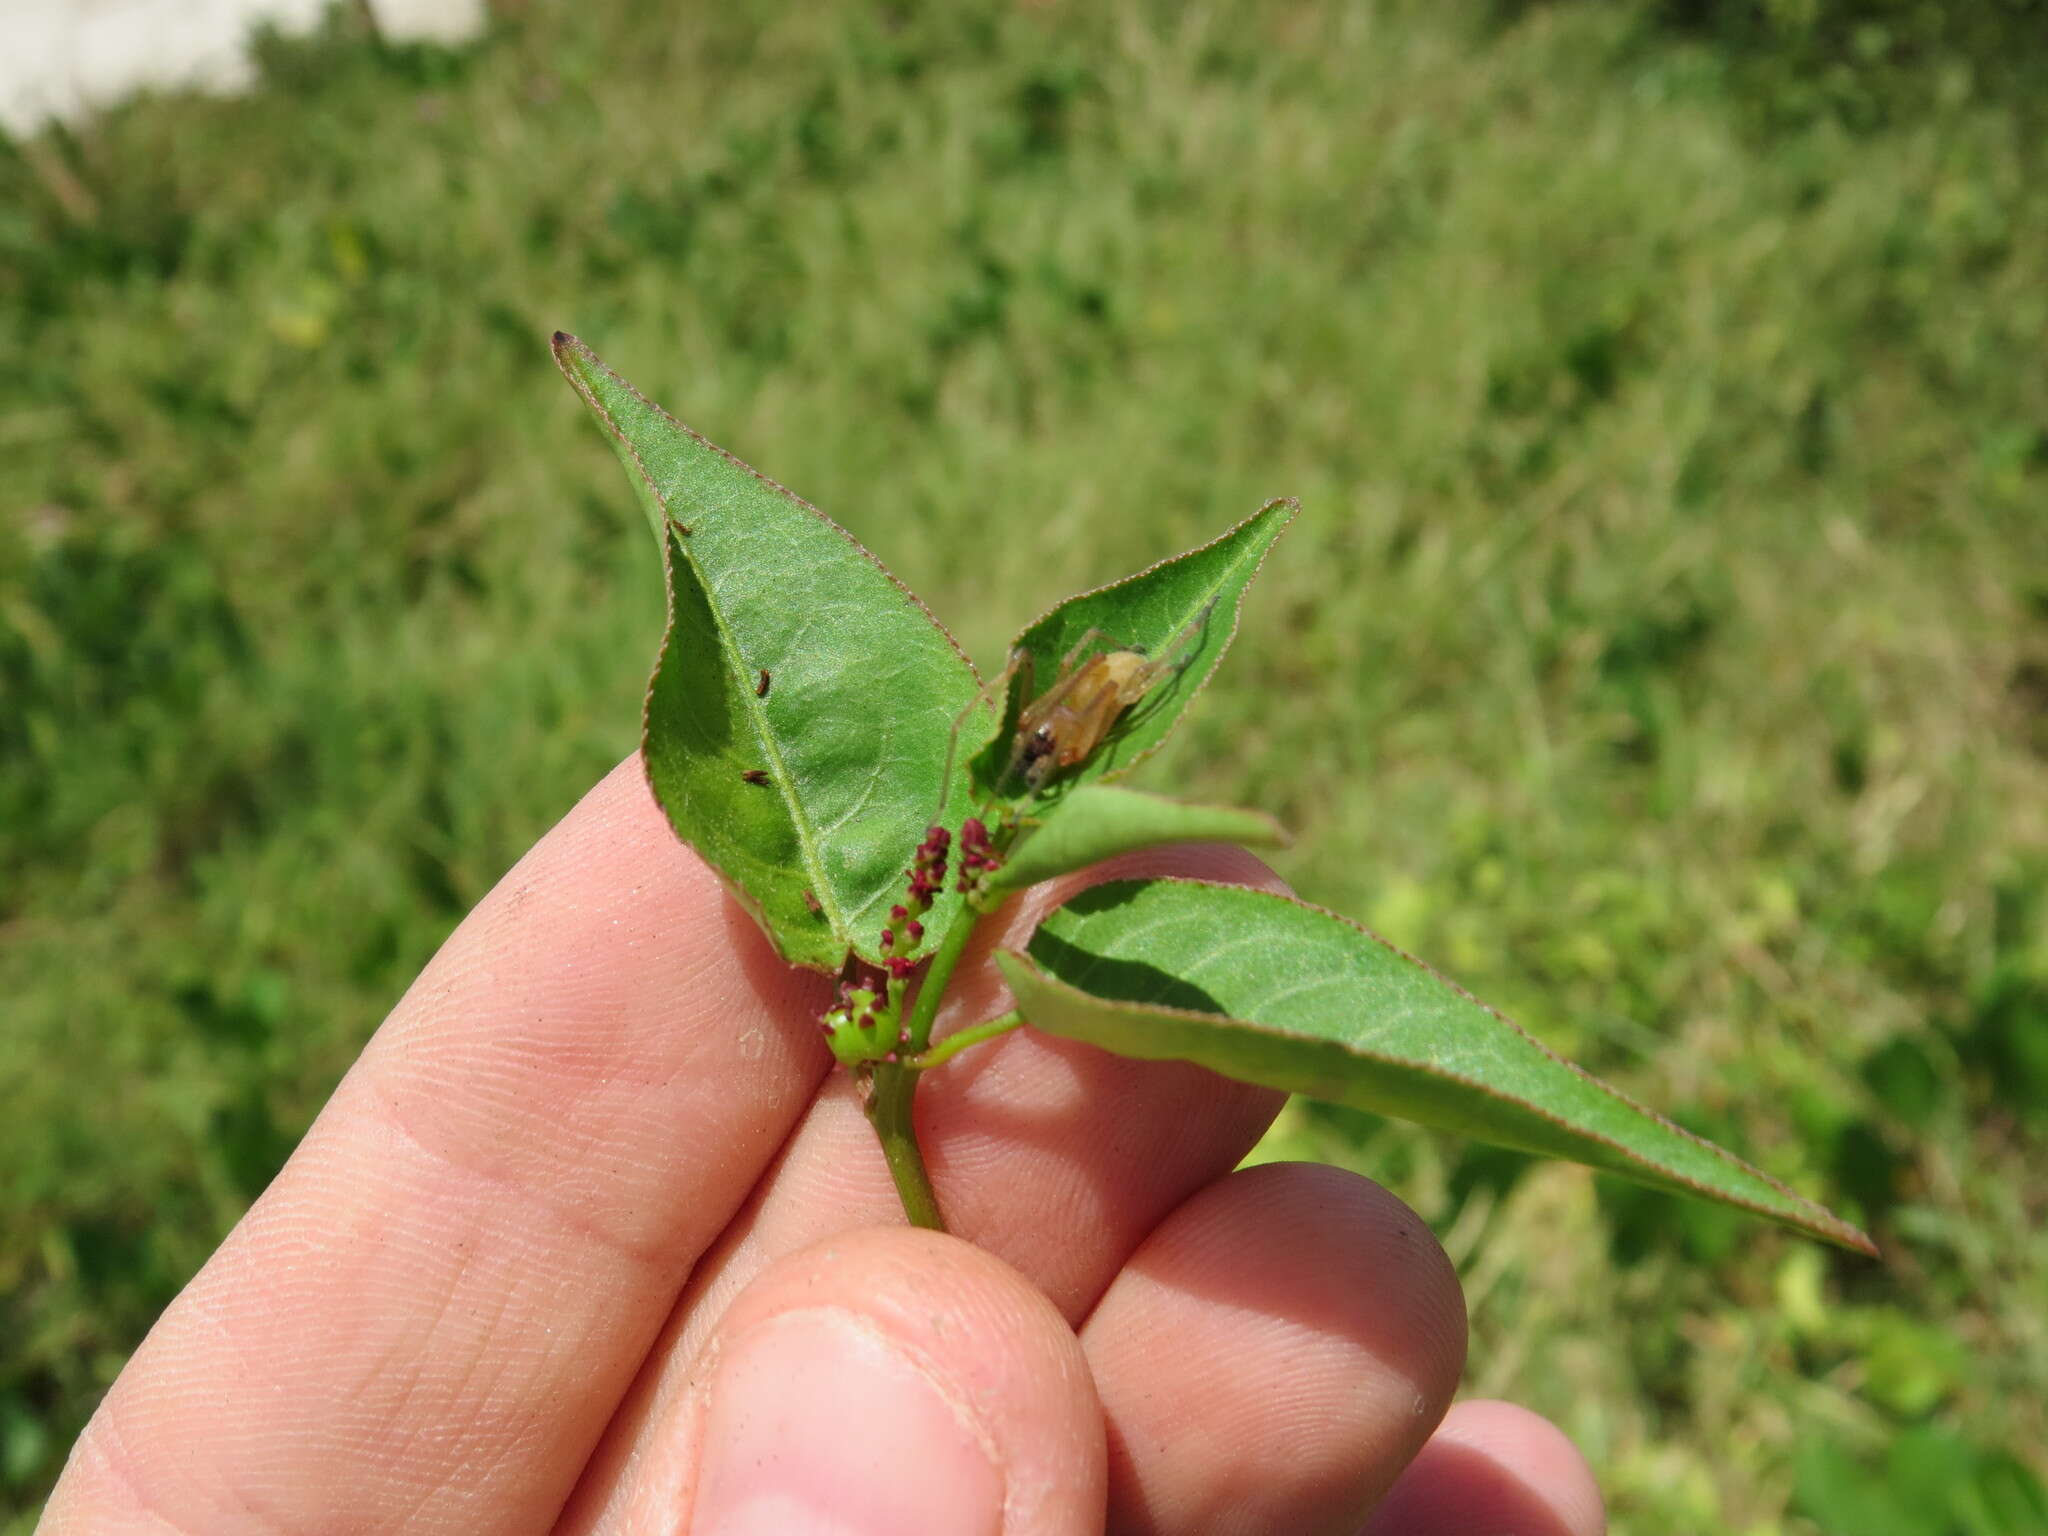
(1664, 651)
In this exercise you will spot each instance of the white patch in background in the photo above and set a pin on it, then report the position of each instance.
(429, 21)
(64, 58)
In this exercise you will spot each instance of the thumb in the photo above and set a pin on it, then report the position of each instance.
(886, 1382)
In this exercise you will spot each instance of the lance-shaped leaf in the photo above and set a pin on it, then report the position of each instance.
(1099, 821)
(1181, 613)
(1272, 991)
(798, 718)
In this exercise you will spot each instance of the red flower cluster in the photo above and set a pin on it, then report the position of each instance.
(978, 858)
(927, 872)
(927, 877)
(900, 918)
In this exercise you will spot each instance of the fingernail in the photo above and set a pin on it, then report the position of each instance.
(817, 1426)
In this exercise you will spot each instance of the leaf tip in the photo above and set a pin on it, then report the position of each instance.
(565, 347)
(573, 357)
(588, 374)
(584, 369)
(1284, 508)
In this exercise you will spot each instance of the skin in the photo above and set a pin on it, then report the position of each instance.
(592, 1240)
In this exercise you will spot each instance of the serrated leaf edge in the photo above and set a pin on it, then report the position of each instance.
(1822, 1219)
(735, 886)
(564, 341)
(1293, 506)
(674, 541)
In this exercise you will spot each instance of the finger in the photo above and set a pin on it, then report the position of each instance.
(1493, 1467)
(430, 1315)
(889, 1381)
(1060, 1157)
(1273, 1356)
(1055, 1157)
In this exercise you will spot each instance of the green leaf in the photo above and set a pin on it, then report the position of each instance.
(1098, 821)
(1269, 990)
(815, 785)
(1931, 1482)
(1183, 611)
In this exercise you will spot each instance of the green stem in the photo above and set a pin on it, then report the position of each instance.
(933, 989)
(892, 1085)
(891, 1090)
(960, 1040)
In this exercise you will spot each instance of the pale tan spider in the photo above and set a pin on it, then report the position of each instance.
(1063, 727)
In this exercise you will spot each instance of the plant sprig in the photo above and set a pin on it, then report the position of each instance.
(808, 716)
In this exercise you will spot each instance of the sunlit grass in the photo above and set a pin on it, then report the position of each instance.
(1663, 650)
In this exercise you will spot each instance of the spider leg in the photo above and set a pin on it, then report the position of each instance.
(990, 691)
(1020, 661)
(1185, 642)
(1080, 647)
(1174, 657)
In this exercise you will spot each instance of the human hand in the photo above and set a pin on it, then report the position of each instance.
(590, 1240)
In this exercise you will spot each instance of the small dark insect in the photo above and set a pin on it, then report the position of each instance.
(811, 901)
(754, 775)
(761, 688)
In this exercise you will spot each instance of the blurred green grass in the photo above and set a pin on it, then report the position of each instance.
(1663, 652)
